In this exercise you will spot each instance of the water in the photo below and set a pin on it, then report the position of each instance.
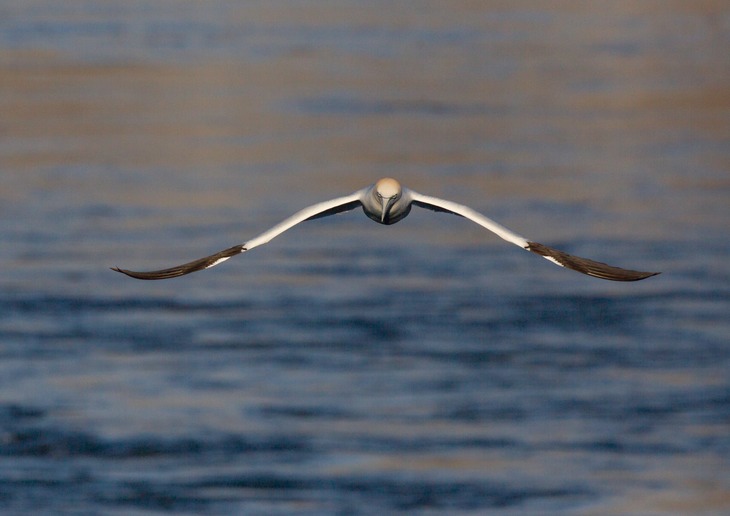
(347, 367)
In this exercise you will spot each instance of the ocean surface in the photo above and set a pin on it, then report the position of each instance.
(347, 367)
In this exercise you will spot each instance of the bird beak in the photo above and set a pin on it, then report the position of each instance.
(387, 203)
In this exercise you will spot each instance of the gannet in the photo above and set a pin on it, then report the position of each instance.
(387, 202)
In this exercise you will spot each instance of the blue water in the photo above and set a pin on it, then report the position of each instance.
(348, 367)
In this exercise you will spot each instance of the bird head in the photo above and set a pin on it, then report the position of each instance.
(387, 192)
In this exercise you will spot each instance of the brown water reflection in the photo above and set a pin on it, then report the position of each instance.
(575, 104)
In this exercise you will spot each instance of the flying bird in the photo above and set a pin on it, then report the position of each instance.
(387, 202)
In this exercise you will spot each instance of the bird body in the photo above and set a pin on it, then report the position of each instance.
(387, 202)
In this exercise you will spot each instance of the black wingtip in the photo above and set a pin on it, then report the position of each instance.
(590, 267)
(186, 268)
(153, 275)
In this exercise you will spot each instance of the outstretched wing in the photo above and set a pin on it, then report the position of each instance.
(319, 210)
(576, 263)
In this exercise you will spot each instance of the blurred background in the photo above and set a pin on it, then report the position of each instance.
(348, 367)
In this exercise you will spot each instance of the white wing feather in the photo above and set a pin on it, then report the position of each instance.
(561, 258)
(322, 209)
